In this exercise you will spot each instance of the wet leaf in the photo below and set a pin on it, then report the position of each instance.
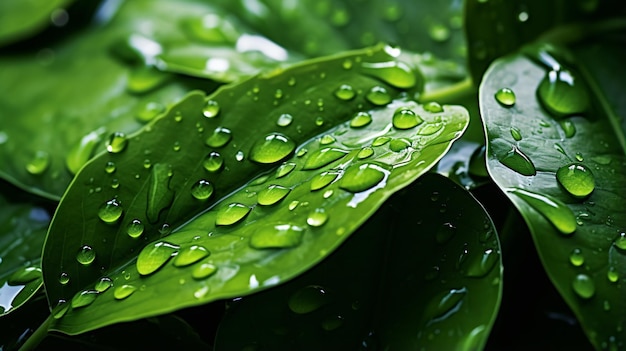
(572, 202)
(433, 279)
(21, 19)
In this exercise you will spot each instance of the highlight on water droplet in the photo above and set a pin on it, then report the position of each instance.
(189, 255)
(276, 236)
(202, 190)
(358, 178)
(405, 118)
(562, 93)
(394, 73)
(84, 298)
(272, 194)
(203, 270)
(345, 92)
(219, 137)
(285, 169)
(284, 120)
(308, 299)
(110, 211)
(576, 179)
(519, 162)
(123, 291)
(272, 148)
(86, 255)
(323, 157)
(584, 286)
(231, 214)
(116, 143)
(317, 217)
(154, 255)
(213, 162)
(360, 119)
(211, 109)
(39, 163)
(378, 96)
(103, 284)
(556, 212)
(506, 97)
(135, 228)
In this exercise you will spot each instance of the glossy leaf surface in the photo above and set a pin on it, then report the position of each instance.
(412, 277)
(21, 19)
(577, 234)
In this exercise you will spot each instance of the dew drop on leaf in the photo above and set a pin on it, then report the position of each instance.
(399, 144)
(365, 153)
(362, 177)
(203, 270)
(239, 156)
(84, 298)
(213, 162)
(506, 97)
(116, 143)
(211, 109)
(134, 228)
(612, 275)
(405, 118)
(149, 111)
(323, 157)
(317, 217)
(81, 152)
(110, 167)
(284, 120)
(445, 233)
(479, 266)
(378, 96)
(345, 92)
(568, 128)
(190, 255)
(360, 119)
(551, 208)
(433, 107)
(332, 323)
(563, 94)
(110, 211)
(576, 257)
(327, 139)
(86, 255)
(219, 137)
(308, 299)
(584, 286)
(154, 255)
(620, 242)
(285, 169)
(272, 194)
(64, 278)
(322, 180)
(202, 190)
(576, 179)
(123, 291)
(380, 141)
(103, 284)
(272, 148)
(394, 73)
(231, 214)
(519, 162)
(516, 134)
(39, 163)
(444, 304)
(277, 236)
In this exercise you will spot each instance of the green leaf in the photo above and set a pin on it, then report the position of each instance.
(21, 19)
(170, 170)
(23, 233)
(434, 279)
(564, 174)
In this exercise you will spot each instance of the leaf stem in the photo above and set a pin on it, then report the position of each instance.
(37, 337)
(449, 94)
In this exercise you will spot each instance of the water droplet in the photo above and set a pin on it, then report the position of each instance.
(82, 151)
(327, 139)
(576, 257)
(211, 109)
(612, 275)
(445, 233)
(362, 177)
(84, 298)
(405, 118)
(439, 33)
(516, 133)
(117, 142)
(551, 208)
(433, 107)
(445, 303)
(86, 255)
(519, 162)
(345, 92)
(378, 96)
(347, 64)
(568, 128)
(577, 179)
(319, 121)
(276, 236)
(103, 284)
(332, 323)
(202, 190)
(317, 217)
(176, 146)
(480, 265)
(272, 194)
(231, 214)
(394, 73)
(583, 286)
(273, 148)
(365, 153)
(328, 193)
(292, 81)
(123, 291)
(360, 119)
(380, 141)
(39, 163)
(323, 157)
(110, 167)
(203, 271)
(620, 242)
(110, 211)
(322, 180)
(24, 275)
(563, 94)
(284, 120)
(220, 137)
(506, 97)
(399, 144)
(285, 169)
(213, 162)
(308, 299)
(61, 309)
(302, 152)
(64, 278)
(154, 256)
(189, 255)
(149, 111)
(145, 79)
(579, 157)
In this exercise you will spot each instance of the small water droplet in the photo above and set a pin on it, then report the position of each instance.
(394, 73)
(563, 94)
(301, 152)
(317, 217)
(202, 190)
(551, 208)
(308, 299)
(380, 141)
(444, 304)
(110, 211)
(518, 161)
(110, 167)
(123, 291)
(332, 323)
(203, 271)
(64, 278)
(620, 242)
(583, 286)
(506, 97)
(568, 128)
(239, 156)
(272, 148)
(39, 163)
(399, 144)
(190, 255)
(328, 193)
(86, 255)
(213, 162)
(365, 153)
(445, 233)
(154, 256)
(220, 137)
(479, 266)
(439, 32)
(319, 121)
(147, 163)
(149, 111)
(360, 119)
(433, 107)
(84, 298)
(577, 179)
(61, 309)
(405, 118)
(231, 214)
(345, 92)
(292, 81)
(285, 169)
(378, 96)
(117, 142)
(211, 109)
(272, 194)
(327, 139)
(103, 284)
(322, 180)
(358, 178)
(579, 157)
(516, 133)
(293, 204)
(145, 79)
(576, 257)
(284, 120)
(323, 157)
(276, 236)
(612, 275)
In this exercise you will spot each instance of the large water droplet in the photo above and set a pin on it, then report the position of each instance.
(506, 97)
(123, 291)
(135, 228)
(202, 190)
(563, 94)
(433, 107)
(189, 255)
(154, 256)
(323, 157)
(272, 194)
(577, 179)
(620, 242)
(84, 298)
(583, 286)
(308, 299)
(110, 211)
(117, 142)
(203, 271)
(285, 169)
(405, 118)
(86, 255)
(220, 137)
(231, 214)
(322, 180)
(551, 208)
(360, 119)
(284, 120)
(394, 73)
(213, 162)
(103, 284)
(378, 96)
(276, 236)
(211, 109)
(345, 92)
(380, 141)
(317, 217)
(39, 163)
(362, 177)
(273, 148)
(518, 161)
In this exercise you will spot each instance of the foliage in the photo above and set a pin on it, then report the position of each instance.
(312, 175)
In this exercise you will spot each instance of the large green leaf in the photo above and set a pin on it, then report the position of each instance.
(557, 150)
(21, 240)
(432, 281)
(20, 19)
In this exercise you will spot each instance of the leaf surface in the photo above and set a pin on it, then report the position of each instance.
(21, 19)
